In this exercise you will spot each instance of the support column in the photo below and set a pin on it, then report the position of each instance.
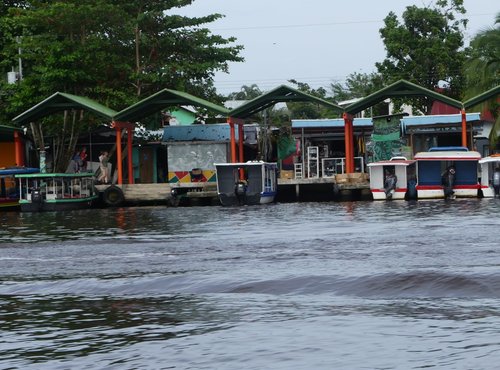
(241, 139)
(233, 140)
(464, 128)
(348, 139)
(119, 158)
(130, 135)
(19, 150)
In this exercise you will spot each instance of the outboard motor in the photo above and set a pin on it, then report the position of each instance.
(390, 185)
(496, 181)
(240, 190)
(36, 198)
(449, 182)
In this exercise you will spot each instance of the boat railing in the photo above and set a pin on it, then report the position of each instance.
(333, 166)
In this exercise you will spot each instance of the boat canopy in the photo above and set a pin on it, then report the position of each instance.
(449, 149)
(18, 170)
(448, 156)
(51, 175)
(492, 158)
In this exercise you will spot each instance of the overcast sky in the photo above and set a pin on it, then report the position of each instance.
(315, 41)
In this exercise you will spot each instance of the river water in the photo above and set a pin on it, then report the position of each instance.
(364, 285)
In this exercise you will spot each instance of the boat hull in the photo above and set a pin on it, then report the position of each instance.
(231, 199)
(438, 193)
(399, 194)
(58, 205)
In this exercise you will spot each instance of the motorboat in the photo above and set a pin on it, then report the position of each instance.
(490, 175)
(9, 189)
(393, 179)
(56, 191)
(447, 172)
(246, 183)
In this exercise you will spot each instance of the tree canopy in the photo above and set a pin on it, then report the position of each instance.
(426, 48)
(111, 51)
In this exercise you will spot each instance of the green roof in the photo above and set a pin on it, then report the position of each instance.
(482, 97)
(9, 129)
(163, 99)
(400, 89)
(280, 94)
(62, 101)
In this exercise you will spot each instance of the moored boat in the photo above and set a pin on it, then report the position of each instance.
(490, 176)
(392, 179)
(447, 172)
(56, 191)
(9, 189)
(247, 183)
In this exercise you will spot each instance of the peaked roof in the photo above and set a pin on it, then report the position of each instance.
(282, 93)
(401, 88)
(162, 99)
(62, 101)
(482, 97)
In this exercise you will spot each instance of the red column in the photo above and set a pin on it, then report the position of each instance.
(233, 140)
(241, 139)
(464, 128)
(130, 135)
(18, 148)
(349, 152)
(119, 158)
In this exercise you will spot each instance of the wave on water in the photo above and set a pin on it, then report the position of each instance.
(416, 284)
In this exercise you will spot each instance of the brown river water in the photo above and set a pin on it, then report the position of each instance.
(364, 285)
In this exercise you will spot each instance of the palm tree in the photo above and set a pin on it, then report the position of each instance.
(482, 68)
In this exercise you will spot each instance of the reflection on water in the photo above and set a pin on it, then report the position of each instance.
(394, 285)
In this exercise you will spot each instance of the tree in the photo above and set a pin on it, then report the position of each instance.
(246, 93)
(425, 48)
(307, 110)
(482, 66)
(357, 86)
(75, 46)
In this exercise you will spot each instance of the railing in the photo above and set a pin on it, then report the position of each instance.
(332, 166)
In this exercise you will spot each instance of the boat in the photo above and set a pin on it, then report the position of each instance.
(246, 183)
(490, 175)
(447, 172)
(9, 189)
(393, 179)
(56, 191)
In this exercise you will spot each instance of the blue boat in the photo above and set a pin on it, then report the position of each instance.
(447, 172)
(9, 187)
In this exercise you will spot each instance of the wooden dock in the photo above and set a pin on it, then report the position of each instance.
(199, 193)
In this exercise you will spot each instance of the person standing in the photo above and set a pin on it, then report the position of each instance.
(103, 167)
(83, 159)
(496, 181)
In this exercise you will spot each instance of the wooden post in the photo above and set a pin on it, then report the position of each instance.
(130, 135)
(119, 155)
(464, 128)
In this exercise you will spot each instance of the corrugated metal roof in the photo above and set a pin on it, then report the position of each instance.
(338, 122)
(213, 132)
(439, 119)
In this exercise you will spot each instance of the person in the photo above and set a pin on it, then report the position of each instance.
(103, 167)
(390, 184)
(76, 162)
(83, 159)
(448, 181)
(496, 181)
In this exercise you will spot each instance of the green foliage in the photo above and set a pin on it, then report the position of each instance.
(425, 48)
(115, 52)
(482, 67)
(306, 110)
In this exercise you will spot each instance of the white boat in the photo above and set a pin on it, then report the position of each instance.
(459, 161)
(247, 183)
(489, 165)
(392, 179)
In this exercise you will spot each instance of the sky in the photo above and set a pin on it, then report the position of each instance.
(318, 42)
